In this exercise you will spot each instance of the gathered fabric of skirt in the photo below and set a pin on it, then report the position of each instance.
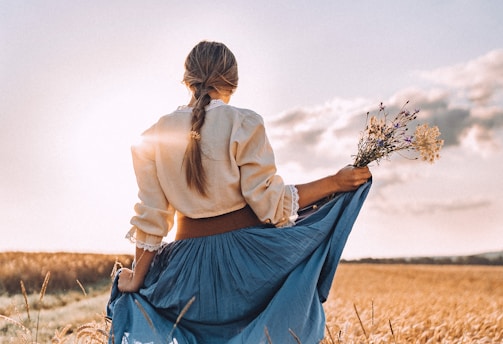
(251, 285)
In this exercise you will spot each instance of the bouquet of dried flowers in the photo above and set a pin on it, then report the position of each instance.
(383, 136)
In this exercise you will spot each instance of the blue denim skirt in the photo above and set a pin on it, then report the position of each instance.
(251, 285)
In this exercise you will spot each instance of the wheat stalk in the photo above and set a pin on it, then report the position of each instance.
(185, 309)
(41, 299)
(44, 285)
(93, 332)
(60, 336)
(361, 323)
(329, 334)
(266, 331)
(182, 313)
(117, 266)
(81, 287)
(145, 314)
(392, 332)
(15, 322)
(25, 296)
(297, 339)
(372, 312)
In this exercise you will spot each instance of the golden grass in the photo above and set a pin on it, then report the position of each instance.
(54, 309)
(65, 268)
(416, 304)
(368, 304)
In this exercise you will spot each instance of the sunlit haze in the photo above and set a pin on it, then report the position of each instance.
(82, 79)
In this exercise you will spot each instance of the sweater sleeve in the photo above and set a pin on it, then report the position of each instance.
(271, 200)
(154, 216)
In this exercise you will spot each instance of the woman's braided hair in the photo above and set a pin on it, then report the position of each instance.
(210, 66)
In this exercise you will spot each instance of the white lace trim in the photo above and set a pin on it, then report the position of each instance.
(295, 207)
(140, 244)
(295, 199)
(148, 247)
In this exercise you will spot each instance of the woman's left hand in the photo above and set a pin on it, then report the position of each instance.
(127, 283)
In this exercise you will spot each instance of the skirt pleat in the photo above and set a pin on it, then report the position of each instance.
(252, 285)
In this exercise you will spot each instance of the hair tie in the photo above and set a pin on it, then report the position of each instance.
(194, 135)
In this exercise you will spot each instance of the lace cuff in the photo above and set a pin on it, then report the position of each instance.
(144, 240)
(294, 207)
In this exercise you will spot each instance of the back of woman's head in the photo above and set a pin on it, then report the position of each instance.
(209, 67)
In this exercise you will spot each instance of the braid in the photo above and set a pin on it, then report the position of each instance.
(194, 171)
(210, 66)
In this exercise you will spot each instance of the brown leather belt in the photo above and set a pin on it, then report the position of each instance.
(193, 228)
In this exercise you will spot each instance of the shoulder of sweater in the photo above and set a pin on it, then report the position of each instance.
(245, 114)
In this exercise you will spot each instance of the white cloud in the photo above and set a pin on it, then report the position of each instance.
(481, 79)
(330, 131)
(323, 134)
(318, 134)
(480, 140)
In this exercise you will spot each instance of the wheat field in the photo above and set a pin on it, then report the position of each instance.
(368, 303)
(416, 304)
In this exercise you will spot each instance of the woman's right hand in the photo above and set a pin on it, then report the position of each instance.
(351, 178)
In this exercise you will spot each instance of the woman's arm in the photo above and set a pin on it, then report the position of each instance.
(264, 190)
(130, 281)
(348, 178)
(154, 215)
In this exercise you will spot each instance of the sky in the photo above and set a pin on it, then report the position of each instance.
(80, 80)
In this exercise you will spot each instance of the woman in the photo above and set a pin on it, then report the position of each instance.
(240, 269)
